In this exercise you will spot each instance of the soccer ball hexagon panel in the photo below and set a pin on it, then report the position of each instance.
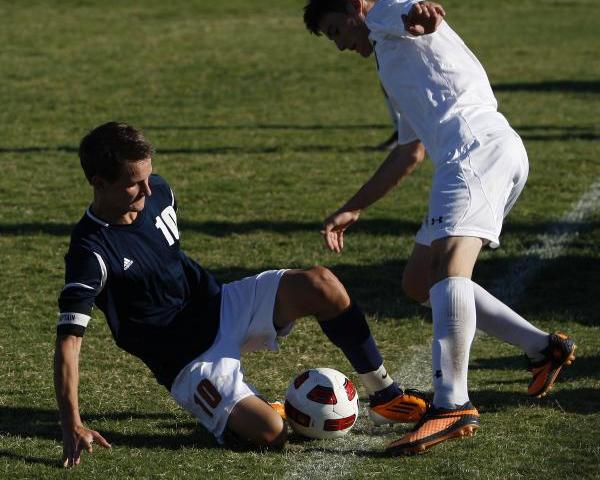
(321, 403)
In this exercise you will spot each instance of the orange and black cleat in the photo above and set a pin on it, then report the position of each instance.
(407, 407)
(560, 352)
(437, 425)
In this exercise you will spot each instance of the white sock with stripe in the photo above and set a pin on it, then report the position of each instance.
(376, 380)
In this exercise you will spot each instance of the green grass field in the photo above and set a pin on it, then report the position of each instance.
(262, 130)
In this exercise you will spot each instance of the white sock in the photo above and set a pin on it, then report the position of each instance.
(376, 380)
(499, 320)
(453, 308)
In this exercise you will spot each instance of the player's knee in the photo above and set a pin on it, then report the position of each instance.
(329, 295)
(258, 432)
(275, 438)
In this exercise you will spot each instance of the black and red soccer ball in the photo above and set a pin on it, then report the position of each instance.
(321, 403)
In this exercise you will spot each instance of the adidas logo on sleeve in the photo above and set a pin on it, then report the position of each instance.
(127, 263)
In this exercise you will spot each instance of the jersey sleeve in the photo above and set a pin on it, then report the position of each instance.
(85, 276)
(406, 134)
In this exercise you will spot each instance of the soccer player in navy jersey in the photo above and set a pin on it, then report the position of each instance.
(444, 104)
(188, 328)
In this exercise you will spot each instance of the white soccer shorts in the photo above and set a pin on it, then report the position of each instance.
(212, 384)
(471, 196)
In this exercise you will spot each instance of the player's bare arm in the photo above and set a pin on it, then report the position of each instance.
(76, 437)
(424, 18)
(399, 164)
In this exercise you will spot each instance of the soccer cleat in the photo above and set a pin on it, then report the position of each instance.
(437, 425)
(559, 353)
(409, 406)
(279, 408)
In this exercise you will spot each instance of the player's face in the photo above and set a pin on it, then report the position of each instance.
(128, 193)
(348, 31)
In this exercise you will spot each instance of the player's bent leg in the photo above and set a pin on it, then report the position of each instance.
(254, 422)
(415, 278)
(318, 292)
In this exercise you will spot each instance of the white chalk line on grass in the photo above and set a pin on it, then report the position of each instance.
(337, 459)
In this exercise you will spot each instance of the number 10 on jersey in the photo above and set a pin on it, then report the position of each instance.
(166, 222)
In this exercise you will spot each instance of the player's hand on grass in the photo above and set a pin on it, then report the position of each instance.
(334, 227)
(77, 439)
(424, 18)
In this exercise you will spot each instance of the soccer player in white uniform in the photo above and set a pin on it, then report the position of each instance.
(189, 329)
(446, 107)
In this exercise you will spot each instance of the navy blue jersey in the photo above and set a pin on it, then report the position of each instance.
(160, 305)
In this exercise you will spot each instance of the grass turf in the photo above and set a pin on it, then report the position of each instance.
(262, 130)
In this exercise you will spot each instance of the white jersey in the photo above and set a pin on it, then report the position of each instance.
(437, 86)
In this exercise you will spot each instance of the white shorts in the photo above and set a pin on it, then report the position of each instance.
(471, 196)
(211, 385)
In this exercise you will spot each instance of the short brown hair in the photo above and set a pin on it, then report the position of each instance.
(315, 9)
(107, 148)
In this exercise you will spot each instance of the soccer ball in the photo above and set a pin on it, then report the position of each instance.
(321, 403)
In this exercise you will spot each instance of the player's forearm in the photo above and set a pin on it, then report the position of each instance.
(66, 379)
(398, 165)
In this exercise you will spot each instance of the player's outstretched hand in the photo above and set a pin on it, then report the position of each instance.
(77, 439)
(424, 18)
(334, 227)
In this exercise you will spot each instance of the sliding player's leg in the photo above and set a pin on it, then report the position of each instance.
(317, 292)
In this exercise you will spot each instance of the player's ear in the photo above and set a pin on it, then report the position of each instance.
(98, 182)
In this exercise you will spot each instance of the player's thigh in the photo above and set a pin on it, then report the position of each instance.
(314, 291)
(454, 257)
(415, 278)
(254, 421)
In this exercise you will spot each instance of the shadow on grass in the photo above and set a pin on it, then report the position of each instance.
(585, 366)
(213, 150)
(528, 132)
(266, 126)
(565, 287)
(556, 132)
(225, 229)
(564, 86)
(43, 423)
(29, 459)
(371, 226)
(585, 401)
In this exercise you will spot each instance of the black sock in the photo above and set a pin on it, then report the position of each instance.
(350, 332)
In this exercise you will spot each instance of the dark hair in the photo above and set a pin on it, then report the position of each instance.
(315, 9)
(107, 148)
